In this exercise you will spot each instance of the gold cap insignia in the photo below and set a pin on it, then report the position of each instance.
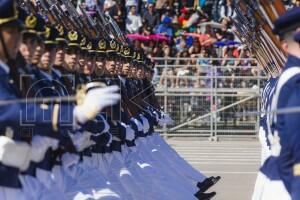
(126, 51)
(47, 32)
(73, 35)
(31, 21)
(60, 30)
(102, 44)
(89, 46)
(83, 41)
(113, 44)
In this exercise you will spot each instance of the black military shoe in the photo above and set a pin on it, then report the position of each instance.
(207, 183)
(205, 196)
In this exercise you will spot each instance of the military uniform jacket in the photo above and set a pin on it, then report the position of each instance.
(285, 139)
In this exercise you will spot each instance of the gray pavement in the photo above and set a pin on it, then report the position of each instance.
(236, 162)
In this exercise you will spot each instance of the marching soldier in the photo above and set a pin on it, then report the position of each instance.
(72, 151)
(16, 156)
(281, 167)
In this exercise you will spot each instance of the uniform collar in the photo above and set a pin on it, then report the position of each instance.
(292, 61)
(4, 66)
(57, 72)
(123, 80)
(48, 76)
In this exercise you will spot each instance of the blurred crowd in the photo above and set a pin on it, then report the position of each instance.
(196, 29)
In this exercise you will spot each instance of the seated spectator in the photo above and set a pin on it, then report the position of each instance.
(195, 49)
(151, 17)
(203, 62)
(165, 27)
(181, 45)
(133, 21)
(227, 11)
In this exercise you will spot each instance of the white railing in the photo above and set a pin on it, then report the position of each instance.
(219, 101)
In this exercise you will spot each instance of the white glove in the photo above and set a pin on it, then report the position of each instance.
(138, 124)
(129, 132)
(39, 146)
(146, 125)
(81, 140)
(161, 122)
(14, 154)
(94, 101)
(156, 115)
(167, 119)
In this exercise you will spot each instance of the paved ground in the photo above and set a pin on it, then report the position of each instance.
(236, 162)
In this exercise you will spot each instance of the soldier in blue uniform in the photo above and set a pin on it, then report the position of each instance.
(281, 167)
(74, 152)
(21, 153)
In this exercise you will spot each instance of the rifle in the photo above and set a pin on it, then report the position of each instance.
(103, 23)
(75, 18)
(90, 23)
(28, 6)
(118, 34)
(44, 9)
(254, 25)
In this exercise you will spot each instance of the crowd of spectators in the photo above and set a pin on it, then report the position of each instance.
(200, 30)
(196, 29)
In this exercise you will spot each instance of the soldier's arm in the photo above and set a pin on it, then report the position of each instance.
(290, 146)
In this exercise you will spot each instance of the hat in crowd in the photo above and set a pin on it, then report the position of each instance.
(92, 46)
(33, 24)
(101, 46)
(127, 52)
(9, 14)
(62, 34)
(167, 20)
(111, 49)
(297, 37)
(287, 22)
(83, 43)
(73, 39)
(51, 34)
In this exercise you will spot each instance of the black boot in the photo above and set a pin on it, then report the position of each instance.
(207, 183)
(205, 196)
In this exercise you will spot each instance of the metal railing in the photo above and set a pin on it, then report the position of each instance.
(214, 102)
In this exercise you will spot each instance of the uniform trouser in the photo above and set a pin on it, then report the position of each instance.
(275, 190)
(108, 169)
(101, 190)
(165, 167)
(128, 177)
(170, 168)
(7, 193)
(87, 184)
(174, 190)
(178, 163)
(46, 178)
(260, 183)
(144, 174)
(261, 179)
(35, 190)
(182, 165)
